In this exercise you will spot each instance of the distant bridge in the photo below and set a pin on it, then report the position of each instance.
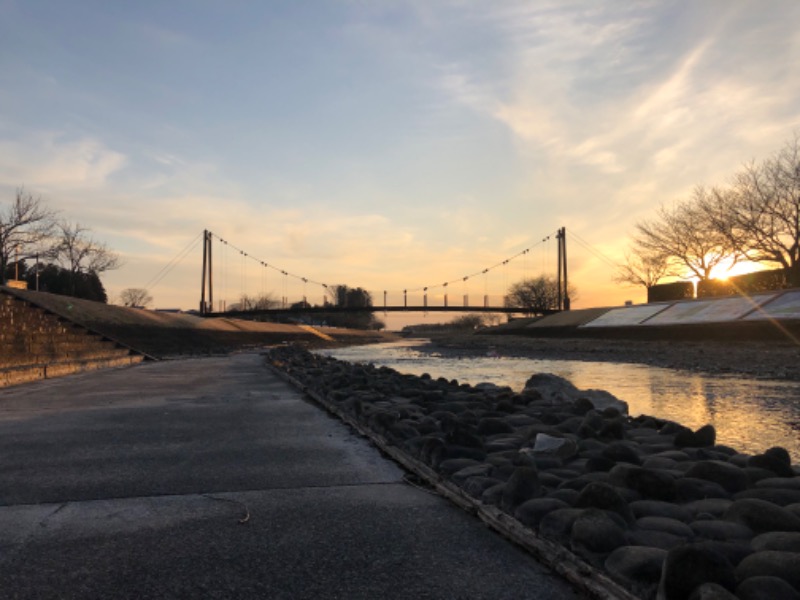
(356, 309)
(430, 298)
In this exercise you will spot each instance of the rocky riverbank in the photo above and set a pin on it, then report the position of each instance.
(763, 360)
(658, 509)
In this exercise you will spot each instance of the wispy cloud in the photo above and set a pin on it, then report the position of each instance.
(51, 161)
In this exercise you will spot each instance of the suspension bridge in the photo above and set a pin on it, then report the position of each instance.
(235, 282)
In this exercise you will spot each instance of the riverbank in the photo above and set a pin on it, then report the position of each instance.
(603, 498)
(762, 360)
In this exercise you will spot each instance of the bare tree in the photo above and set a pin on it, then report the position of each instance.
(687, 235)
(534, 295)
(135, 297)
(262, 302)
(643, 268)
(78, 252)
(760, 213)
(26, 227)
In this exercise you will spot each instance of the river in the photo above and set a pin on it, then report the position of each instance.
(750, 415)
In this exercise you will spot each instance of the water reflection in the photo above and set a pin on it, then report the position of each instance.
(749, 415)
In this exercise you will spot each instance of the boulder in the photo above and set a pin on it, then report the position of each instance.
(657, 508)
(773, 563)
(688, 489)
(761, 516)
(711, 591)
(649, 483)
(729, 476)
(779, 496)
(522, 485)
(771, 462)
(603, 496)
(557, 524)
(721, 530)
(548, 445)
(638, 568)
(785, 541)
(689, 566)
(476, 486)
(597, 531)
(704, 437)
(531, 512)
(765, 587)
(666, 525)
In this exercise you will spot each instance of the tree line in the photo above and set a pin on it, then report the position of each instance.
(755, 218)
(50, 253)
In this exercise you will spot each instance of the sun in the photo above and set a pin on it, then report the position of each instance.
(728, 268)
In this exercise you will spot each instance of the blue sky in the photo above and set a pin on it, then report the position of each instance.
(386, 145)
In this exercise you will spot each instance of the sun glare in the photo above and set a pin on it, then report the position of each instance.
(728, 269)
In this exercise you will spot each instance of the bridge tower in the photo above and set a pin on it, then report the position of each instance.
(207, 276)
(563, 288)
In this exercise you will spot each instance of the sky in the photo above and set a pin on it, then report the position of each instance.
(387, 145)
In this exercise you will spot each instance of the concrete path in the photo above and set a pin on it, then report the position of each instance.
(133, 484)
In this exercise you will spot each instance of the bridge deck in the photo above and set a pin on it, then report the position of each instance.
(345, 309)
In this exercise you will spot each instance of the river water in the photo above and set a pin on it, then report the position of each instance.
(750, 415)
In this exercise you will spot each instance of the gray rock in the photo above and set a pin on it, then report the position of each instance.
(453, 465)
(785, 541)
(773, 563)
(548, 445)
(657, 508)
(531, 512)
(688, 489)
(602, 400)
(493, 495)
(704, 437)
(622, 452)
(596, 531)
(666, 525)
(791, 483)
(721, 530)
(648, 483)
(712, 506)
(651, 538)
(476, 486)
(771, 463)
(557, 524)
(565, 495)
(601, 495)
(637, 567)
(691, 565)
(522, 485)
(765, 587)
(493, 426)
(781, 497)
(479, 470)
(761, 516)
(729, 476)
(711, 591)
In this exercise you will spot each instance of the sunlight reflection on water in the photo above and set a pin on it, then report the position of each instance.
(749, 415)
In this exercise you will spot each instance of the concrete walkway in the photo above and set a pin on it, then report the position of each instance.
(133, 484)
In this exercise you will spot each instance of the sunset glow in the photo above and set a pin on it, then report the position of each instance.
(391, 145)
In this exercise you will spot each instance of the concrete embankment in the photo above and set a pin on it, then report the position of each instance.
(46, 335)
(627, 507)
